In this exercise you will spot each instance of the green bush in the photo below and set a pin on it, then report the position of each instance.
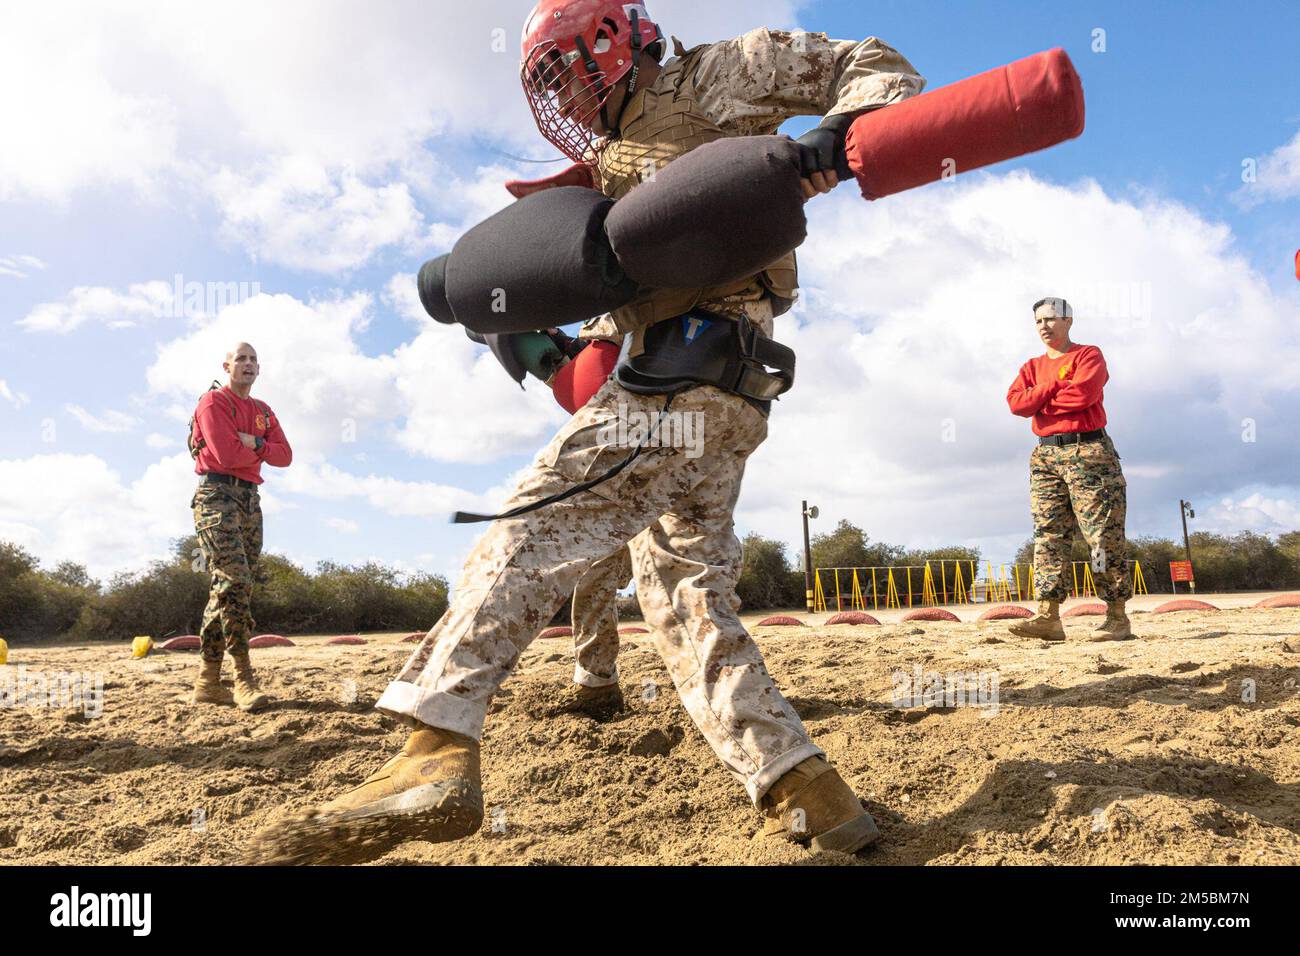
(766, 578)
(163, 601)
(36, 603)
(285, 599)
(371, 597)
(169, 596)
(848, 546)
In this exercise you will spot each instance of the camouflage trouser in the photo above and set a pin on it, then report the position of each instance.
(1078, 486)
(228, 522)
(676, 512)
(595, 620)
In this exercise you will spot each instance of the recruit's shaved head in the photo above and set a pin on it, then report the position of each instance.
(240, 346)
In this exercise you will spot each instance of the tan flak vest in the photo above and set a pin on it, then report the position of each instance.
(661, 123)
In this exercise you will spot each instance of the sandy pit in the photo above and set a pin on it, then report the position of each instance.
(1182, 747)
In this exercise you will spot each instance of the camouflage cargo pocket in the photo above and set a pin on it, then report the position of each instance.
(207, 522)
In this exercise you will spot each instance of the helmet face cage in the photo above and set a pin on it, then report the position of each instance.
(548, 76)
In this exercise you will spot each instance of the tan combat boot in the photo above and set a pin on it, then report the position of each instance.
(208, 688)
(1046, 624)
(247, 695)
(1116, 626)
(812, 805)
(598, 703)
(430, 791)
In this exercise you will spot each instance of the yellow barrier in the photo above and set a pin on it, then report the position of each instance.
(1139, 583)
(959, 587)
(891, 592)
(1003, 582)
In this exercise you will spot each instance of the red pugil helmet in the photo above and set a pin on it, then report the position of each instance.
(574, 53)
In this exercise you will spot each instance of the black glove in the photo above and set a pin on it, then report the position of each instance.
(822, 147)
(566, 343)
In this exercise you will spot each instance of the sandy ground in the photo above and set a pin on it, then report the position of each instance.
(1136, 752)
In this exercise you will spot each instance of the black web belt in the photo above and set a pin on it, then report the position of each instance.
(703, 348)
(212, 478)
(1073, 438)
(466, 517)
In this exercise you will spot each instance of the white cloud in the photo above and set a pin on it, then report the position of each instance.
(155, 440)
(67, 122)
(109, 307)
(1256, 511)
(110, 421)
(308, 139)
(20, 267)
(14, 398)
(391, 496)
(86, 513)
(343, 525)
(1277, 176)
(300, 216)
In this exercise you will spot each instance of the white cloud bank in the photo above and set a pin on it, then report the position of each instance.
(312, 125)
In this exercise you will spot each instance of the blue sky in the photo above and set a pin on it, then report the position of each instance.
(232, 146)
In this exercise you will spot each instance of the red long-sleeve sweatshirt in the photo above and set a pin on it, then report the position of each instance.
(220, 417)
(1062, 394)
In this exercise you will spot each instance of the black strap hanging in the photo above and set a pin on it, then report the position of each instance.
(465, 517)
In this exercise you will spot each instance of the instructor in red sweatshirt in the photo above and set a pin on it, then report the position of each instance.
(1075, 480)
(233, 435)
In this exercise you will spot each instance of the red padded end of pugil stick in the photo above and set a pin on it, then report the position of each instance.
(1007, 112)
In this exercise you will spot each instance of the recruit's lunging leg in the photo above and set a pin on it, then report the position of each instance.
(1054, 527)
(1099, 493)
(687, 564)
(595, 690)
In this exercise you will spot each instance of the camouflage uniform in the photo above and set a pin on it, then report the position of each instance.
(673, 511)
(595, 620)
(228, 522)
(1079, 486)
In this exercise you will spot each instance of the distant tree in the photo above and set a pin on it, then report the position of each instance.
(848, 546)
(766, 578)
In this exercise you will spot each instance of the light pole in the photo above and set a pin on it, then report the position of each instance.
(807, 555)
(1185, 510)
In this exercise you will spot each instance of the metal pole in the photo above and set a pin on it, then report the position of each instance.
(807, 561)
(1187, 541)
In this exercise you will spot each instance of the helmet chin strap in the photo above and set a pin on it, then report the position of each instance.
(614, 128)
